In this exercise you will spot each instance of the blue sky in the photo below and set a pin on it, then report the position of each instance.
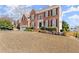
(70, 13)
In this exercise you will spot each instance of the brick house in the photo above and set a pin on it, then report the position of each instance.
(50, 17)
(23, 22)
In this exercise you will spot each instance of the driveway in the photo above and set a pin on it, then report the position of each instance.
(19, 41)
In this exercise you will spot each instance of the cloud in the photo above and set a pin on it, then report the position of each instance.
(73, 20)
(71, 9)
(16, 11)
(71, 15)
(74, 17)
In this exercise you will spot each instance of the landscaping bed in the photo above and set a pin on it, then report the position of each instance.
(29, 29)
(50, 30)
(74, 34)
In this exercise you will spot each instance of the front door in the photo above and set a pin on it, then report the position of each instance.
(40, 24)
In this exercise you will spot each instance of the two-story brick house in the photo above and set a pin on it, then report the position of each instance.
(50, 17)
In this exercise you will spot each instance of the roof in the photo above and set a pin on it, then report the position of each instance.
(50, 7)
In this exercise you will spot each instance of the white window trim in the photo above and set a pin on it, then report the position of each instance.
(54, 12)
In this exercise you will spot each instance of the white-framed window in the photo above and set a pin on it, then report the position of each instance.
(32, 17)
(46, 13)
(32, 24)
(46, 23)
(51, 12)
(53, 22)
(54, 12)
(40, 17)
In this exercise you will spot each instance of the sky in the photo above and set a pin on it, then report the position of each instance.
(70, 13)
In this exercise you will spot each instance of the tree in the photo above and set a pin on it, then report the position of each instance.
(5, 24)
(65, 26)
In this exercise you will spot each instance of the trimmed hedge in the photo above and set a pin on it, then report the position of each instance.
(51, 29)
(42, 31)
(42, 28)
(48, 29)
(29, 29)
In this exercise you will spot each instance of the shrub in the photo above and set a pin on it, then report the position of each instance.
(5, 24)
(65, 26)
(77, 34)
(29, 29)
(42, 28)
(48, 29)
(51, 29)
(42, 31)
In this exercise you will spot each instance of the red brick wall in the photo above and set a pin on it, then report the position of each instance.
(45, 18)
(24, 20)
(33, 12)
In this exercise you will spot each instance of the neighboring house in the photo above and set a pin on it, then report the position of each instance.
(50, 17)
(23, 23)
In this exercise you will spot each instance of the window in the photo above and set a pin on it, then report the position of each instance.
(40, 16)
(48, 23)
(44, 23)
(56, 23)
(32, 24)
(32, 17)
(46, 14)
(51, 22)
(51, 12)
(54, 12)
